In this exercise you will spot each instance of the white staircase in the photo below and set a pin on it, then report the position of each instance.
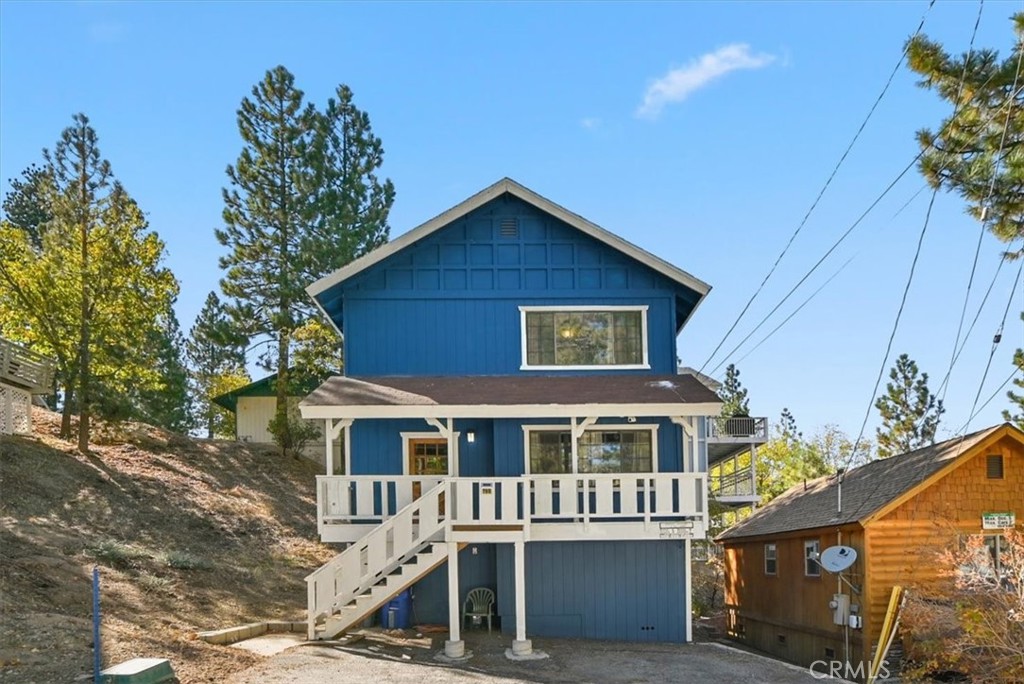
(393, 556)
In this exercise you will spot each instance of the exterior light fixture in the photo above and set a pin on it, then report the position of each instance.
(470, 436)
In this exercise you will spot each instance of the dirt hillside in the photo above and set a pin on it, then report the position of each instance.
(188, 535)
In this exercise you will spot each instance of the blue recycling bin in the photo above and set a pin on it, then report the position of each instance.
(397, 613)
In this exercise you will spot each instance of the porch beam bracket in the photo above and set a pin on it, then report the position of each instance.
(338, 425)
(445, 429)
(579, 428)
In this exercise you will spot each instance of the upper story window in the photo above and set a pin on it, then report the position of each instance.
(584, 337)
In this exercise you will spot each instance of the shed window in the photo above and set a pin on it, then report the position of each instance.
(811, 566)
(994, 466)
(584, 337)
(770, 561)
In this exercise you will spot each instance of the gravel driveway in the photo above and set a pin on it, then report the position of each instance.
(395, 662)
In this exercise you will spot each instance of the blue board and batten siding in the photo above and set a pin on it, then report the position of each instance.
(449, 304)
(624, 590)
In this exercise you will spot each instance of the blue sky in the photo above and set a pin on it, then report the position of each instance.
(701, 132)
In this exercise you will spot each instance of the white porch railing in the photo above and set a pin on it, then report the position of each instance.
(376, 554)
(528, 499)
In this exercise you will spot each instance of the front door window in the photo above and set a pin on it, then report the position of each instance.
(428, 457)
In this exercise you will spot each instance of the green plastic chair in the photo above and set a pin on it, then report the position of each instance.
(479, 603)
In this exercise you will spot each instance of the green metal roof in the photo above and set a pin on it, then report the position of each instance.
(302, 384)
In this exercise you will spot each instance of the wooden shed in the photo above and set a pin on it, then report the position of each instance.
(897, 513)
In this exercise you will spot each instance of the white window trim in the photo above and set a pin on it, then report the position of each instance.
(808, 543)
(775, 549)
(651, 427)
(453, 459)
(642, 308)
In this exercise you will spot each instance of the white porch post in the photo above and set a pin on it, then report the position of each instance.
(455, 647)
(522, 645)
(688, 612)
(332, 430)
(328, 447)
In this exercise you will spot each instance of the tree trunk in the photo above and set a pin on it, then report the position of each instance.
(283, 381)
(84, 397)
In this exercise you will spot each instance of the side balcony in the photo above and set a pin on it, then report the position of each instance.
(732, 458)
(605, 506)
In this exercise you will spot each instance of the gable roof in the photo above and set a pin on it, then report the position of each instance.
(867, 491)
(264, 387)
(507, 185)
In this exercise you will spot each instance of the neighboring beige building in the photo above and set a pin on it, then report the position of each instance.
(254, 406)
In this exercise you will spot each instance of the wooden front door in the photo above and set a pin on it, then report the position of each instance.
(427, 456)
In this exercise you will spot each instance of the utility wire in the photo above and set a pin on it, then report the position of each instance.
(796, 310)
(995, 342)
(821, 193)
(820, 261)
(984, 209)
(920, 240)
(989, 400)
(895, 326)
(831, 278)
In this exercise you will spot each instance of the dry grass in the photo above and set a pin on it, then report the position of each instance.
(188, 535)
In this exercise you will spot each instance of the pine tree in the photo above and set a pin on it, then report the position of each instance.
(26, 206)
(733, 394)
(167, 404)
(216, 355)
(267, 212)
(910, 413)
(970, 147)
(95, 287)
(304, 200)
(352, 204)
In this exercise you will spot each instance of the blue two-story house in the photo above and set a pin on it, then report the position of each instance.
(512, 418)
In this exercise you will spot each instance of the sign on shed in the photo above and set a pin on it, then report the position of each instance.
(998, 521)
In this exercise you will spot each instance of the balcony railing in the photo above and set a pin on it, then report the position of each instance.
(740, 429)
(515, 501)
(731, 485)
(24, 368)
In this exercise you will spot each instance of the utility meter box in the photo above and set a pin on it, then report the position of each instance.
(840, 605)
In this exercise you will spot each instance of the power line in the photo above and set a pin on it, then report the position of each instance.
(796, 310)
(989, 400)
(920, 240)
(832, 277)
(821, 193)
(895, 326)
(995, 342)
(814, 268)
(985, 206)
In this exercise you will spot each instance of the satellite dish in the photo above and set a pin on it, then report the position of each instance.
(838, 558)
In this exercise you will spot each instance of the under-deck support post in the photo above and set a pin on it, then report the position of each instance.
(522, 645)
(688, 590)
(455, 647)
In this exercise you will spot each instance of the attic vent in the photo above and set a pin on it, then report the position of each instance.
(994, 466)
(509, 228)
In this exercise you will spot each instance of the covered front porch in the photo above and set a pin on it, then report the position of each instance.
(619, 459)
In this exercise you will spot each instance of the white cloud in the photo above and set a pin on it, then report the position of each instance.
(590, 123)
(680, 83)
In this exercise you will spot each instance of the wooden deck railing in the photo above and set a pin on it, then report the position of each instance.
(25, 368)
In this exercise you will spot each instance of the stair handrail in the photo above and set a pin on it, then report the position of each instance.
(347, 574)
